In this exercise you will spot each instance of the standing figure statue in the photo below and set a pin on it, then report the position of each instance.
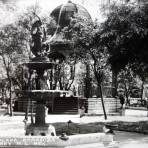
(39, 48)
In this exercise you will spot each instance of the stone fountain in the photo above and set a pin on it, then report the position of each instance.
(46, 52)
(40, 63)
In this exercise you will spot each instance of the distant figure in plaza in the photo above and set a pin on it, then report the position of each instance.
(82, 110)
(121, 98)
(145, 95)
(38, 33)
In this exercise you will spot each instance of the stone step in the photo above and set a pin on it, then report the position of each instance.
(69, 113)
(66, 109)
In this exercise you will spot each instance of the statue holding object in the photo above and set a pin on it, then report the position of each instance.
(39, 48)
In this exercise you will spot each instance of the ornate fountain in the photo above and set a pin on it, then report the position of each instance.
(46, 52)
(40, 63)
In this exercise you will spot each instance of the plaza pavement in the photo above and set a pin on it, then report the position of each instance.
(14, 126)
(10, 125)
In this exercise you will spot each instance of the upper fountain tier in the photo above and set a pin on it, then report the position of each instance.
(40, 65)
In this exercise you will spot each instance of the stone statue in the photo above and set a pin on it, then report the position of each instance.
(39, 47)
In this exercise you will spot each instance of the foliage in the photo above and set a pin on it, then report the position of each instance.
(124, 33)
(85, 47)
(14, 45)
(127, 80)
(112, 36)
(83, 34)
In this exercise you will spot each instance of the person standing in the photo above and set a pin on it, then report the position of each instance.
(122, 100)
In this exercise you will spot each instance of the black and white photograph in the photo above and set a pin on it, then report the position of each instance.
(73, 73)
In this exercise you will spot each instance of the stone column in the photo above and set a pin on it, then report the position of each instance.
(40, 114)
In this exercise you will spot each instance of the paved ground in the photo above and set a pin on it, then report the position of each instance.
(10, 126)
(131, 140)
(9, 123)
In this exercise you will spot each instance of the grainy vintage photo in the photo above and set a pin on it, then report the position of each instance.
(73, 74)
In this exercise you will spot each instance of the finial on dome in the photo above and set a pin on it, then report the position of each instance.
(69, 1)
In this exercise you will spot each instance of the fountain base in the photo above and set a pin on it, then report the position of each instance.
(93, 140)
(40, 130)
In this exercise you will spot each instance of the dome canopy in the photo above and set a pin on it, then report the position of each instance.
(61, 47)
(63, 13)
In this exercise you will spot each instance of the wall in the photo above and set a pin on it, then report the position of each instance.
(95, 106)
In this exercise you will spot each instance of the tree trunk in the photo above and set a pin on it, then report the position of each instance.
(32, 121)
(142, 87)
(126, 94)
(7, 67)
(98, 78)
(87, 82)
(114, 83)
(60, 83)
(10, 95)
(27, 109)
(102, 101)
(28, 98)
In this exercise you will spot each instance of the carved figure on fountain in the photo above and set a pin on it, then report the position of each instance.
(41, 81)
(39, 47)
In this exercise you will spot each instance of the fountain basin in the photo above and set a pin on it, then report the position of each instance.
(83, 140)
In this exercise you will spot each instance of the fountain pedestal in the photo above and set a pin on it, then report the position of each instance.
(40, 114)
(40, 127)
(40, 95)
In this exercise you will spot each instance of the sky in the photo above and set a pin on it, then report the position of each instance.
(92, 7)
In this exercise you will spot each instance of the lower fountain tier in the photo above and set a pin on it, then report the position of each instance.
(44, 95)
(96, 140)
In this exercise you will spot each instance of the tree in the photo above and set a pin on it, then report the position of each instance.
(113, 33)
(141, 70)
(126, 81)
(12, 45)
(124, 34)
(15, 40)
(82, 32)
